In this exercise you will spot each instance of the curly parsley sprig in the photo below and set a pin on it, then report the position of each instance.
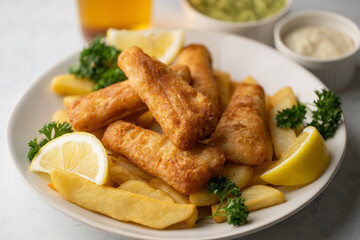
(51, 131)
(291, 117)
(99, 63)
(326, 116)
(229, 194)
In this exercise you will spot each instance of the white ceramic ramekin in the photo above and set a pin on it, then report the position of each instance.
(261, 30)
(336, 73)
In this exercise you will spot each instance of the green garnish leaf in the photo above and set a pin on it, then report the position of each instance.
(236, 211)
(98, 62)
(51, 131)
(229, 194)
(291, 117)
(111, 76)
(326, 115)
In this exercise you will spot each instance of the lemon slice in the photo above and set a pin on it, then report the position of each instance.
(80, 153)
(303, 162)
(163, 45)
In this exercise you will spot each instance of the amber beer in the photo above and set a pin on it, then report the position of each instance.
(98, 15)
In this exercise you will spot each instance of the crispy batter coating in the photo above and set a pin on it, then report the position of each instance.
(183, 71)
(241, 129)
(185, 171)
(198, 59)
(184, 114)
(104, 106)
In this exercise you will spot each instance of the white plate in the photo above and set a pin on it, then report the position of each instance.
(236, 55)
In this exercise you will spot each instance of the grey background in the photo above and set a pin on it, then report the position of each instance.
(37, 34)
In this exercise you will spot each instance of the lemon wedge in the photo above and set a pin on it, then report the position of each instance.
(80, 153)
(164, 45)
(303, 162)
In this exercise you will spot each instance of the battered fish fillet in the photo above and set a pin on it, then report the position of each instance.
(104, 106)
(184, 114)
(185, 171)
(198, 59)
(241, 129)
(183, 71)
(107, 105)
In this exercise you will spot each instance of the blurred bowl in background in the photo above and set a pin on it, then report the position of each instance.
(336, 72)
(260, 30)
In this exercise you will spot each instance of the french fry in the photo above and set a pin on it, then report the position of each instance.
(145, 120)
(218, 218)
(122, 170)
(190, 221)
(261, 196)
(258, 171)
(67, 100)
(177, 197)
(201, 198)
(68, 84)
(238, 173)
(284, 93)
(60, 116)
(282, 138)
(223, 86)
(255, 197)
(144, 189)
(119, 204)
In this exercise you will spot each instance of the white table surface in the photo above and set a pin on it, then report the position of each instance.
(37, 34)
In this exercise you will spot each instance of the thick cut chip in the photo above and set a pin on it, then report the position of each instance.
(237, 173)
(117, 203)
(144, 189)
(69, 84)
(201, 198)
(121, 170)
(260, 196)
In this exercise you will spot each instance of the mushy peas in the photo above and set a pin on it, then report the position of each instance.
(238, 10)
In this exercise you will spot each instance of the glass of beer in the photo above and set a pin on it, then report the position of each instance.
(98, 15)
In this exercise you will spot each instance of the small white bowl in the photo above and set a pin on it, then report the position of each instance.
(337, 72)
(261, 30)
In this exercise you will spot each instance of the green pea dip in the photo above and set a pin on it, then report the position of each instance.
(238, 10)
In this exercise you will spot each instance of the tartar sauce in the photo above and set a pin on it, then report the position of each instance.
(319, 42)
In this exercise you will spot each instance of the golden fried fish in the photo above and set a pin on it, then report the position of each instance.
(241, 132)
(185, 171)
(104, 106)
(198, 59)
(183, 71)
(184, 114)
